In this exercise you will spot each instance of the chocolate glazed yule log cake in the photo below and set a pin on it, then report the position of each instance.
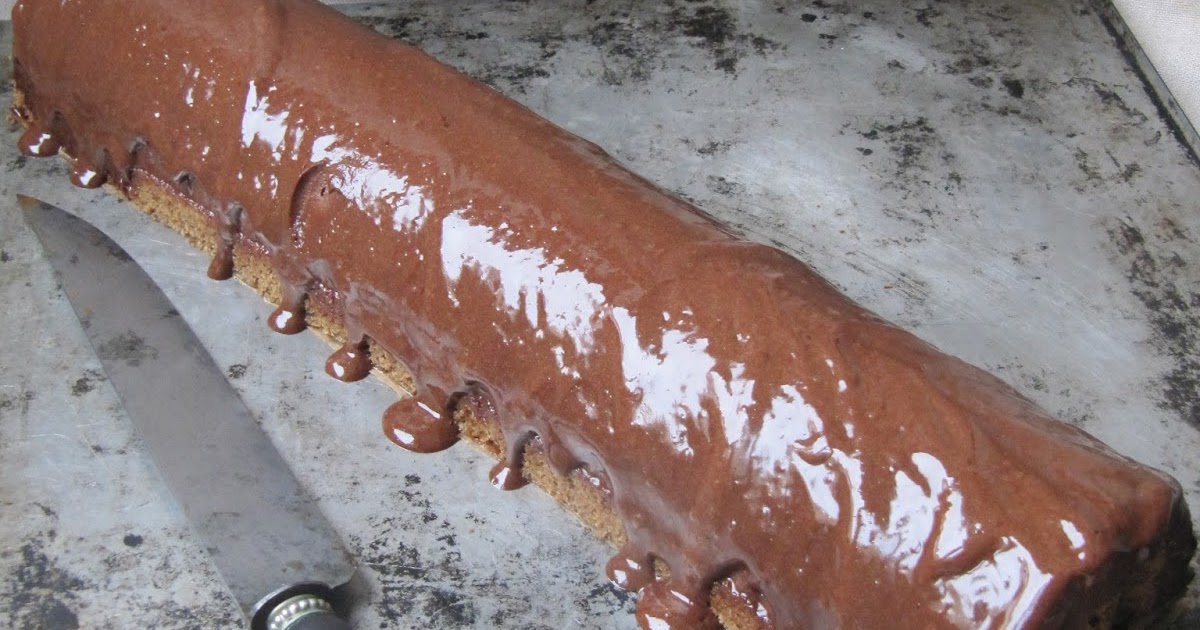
(763, 452)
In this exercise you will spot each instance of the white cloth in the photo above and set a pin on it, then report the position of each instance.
(1169, 33)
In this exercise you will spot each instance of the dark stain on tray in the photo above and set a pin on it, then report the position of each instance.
(128, 347)
(715, 25)
(984, 82)
(1110, 100)
(1100, 173)
(627, 52)
(709, 27)
(714, 147)
(515, 74)
(413, 553)
(19, 401)
(1090, 172)
(919, 157)
(1015, 88)
(39, 593)
(82, 386)
(395, 26)
(427, 584)
(86, 383)
(633, 42)
(926, 15)
(969, 62)
(1162, 281)
(608, 590)
(725, 186)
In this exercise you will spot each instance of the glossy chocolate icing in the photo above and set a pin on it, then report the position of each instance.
(744, 418)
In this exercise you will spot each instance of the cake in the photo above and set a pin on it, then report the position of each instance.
(763, 452)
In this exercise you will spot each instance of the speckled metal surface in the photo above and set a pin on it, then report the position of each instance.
(992, 176)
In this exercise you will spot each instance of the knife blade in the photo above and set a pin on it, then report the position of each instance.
(267, 537)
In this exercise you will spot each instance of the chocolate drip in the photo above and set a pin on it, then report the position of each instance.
(350, 362)
(734, 408)
(38, 141)
(186, 181)
(676, 604)
(561, 458)
(508, 475)
(289, 317)
(509, 472)
(86, 174)
(229, 225)
(419, 425)
(294, 275)
(631, 568)
(124, 166)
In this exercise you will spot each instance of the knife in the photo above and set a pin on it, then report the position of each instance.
(277, 553)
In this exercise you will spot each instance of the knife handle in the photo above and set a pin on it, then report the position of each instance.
(299, 606)
(305, 612)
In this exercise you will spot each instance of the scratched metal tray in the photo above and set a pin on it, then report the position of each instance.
(993, 177)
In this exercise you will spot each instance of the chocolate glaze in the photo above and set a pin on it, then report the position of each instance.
(350, 362)
(744, 418)
(420, 426)
(37, 142)
(228, 227)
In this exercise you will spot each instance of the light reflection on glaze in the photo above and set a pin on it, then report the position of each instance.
(792, 440)
(193, 81)
(909, 529)
(735, 401)
(531, 285)
(259, 124)
(375, 189)
(1076, 537)
(1001, 591)
(668, 377)
(954, 532)
(791, 427)
(38, 143)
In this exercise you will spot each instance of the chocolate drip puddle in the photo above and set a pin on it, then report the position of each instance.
(745, 423)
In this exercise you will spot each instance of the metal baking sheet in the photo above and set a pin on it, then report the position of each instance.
(992, 176)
